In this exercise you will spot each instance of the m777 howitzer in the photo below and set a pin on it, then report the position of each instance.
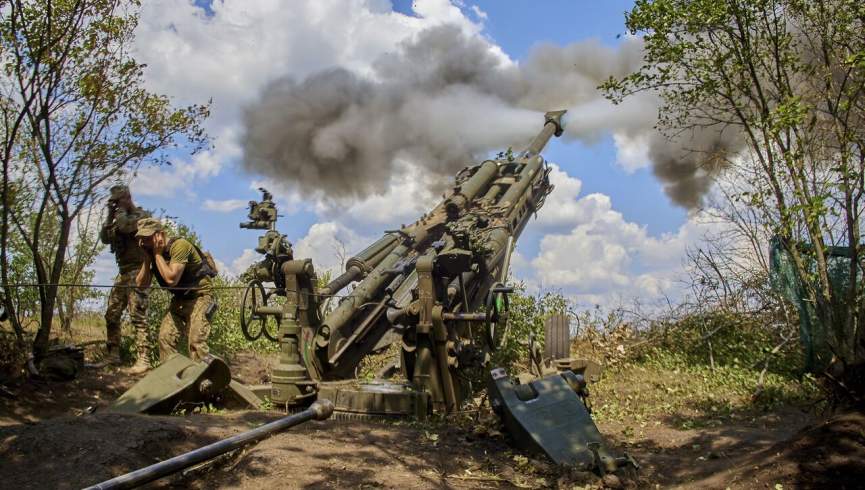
(436, 288)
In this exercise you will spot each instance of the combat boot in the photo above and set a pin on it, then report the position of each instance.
(141, 366)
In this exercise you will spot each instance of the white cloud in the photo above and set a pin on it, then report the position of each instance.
(561, 207)
(632, 151)
(227, 57)
(242, 262)
(593, 254)
(590, 250)
(184, 172)
(244, 45)
(225, 206)
(408, 196)
(329, 243)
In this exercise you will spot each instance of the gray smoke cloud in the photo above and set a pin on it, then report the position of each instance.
(688, 166)
(444, 98)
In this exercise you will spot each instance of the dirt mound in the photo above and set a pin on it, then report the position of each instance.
(72, 452)
(30, 401)
(827, 455)
(43, 446)
(355, 454)
(252, 368)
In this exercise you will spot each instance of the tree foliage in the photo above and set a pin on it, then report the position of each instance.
(526, 321)
(75, 115)
(786, 76)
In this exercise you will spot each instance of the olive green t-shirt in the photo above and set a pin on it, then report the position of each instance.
(182, 251)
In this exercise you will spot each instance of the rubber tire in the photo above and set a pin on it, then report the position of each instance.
(557, 337)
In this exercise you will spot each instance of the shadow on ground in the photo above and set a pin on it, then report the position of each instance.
(750, 450)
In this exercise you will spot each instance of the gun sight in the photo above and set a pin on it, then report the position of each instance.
(262, 215)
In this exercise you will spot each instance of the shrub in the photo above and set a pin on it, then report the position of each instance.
(225, 338)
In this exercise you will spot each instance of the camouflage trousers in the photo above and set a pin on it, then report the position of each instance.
(122, 296)
(186, 317)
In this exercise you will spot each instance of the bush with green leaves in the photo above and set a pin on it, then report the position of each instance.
(226, 337)
(721, 338)
(526, 320)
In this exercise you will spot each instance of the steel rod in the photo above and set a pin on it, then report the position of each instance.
(319, 410)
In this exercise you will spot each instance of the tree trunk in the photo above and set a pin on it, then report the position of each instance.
(48, 292)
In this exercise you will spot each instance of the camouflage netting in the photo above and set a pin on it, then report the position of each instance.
(819, 340)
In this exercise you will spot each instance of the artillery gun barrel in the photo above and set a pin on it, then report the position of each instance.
(414, 236)
(319, 410)
(506, 262)
(516, 193)
(552, 126)
(361, 263)
(518, 188)
(505, 192)
(517, 202)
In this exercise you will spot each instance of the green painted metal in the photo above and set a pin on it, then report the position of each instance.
(427, 286)
(548, 416)
(378, 399)
(176, 381)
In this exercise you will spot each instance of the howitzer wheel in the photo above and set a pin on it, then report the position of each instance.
(252, 323)
(557, 337)
(497, 308)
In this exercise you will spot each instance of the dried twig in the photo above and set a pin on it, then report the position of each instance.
(487, 478)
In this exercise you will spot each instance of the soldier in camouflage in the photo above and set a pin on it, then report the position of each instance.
(181, 268)
(119, 232)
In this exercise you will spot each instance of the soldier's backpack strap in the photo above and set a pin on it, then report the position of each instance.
(208, 265)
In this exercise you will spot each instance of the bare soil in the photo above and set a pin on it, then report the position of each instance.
(49, 439)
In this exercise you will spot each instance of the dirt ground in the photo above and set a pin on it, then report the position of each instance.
(50, 439)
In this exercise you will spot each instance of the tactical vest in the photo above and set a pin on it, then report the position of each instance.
(187, 286)
(127, 253)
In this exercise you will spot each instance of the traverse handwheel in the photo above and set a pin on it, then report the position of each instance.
(251, 322)
(496, 322)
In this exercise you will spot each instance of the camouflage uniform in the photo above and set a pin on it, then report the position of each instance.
(192, 313)
(192, 303)
(120, 235)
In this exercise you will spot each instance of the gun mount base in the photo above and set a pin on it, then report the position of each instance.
(377, 399)
(548, 416)
(292, 385)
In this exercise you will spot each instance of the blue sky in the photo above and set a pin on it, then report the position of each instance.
(202, 56)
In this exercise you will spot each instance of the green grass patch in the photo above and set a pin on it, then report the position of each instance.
(669, 386)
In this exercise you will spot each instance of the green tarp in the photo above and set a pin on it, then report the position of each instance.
(820, 341)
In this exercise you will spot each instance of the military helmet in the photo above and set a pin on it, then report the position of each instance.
(117, 192)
